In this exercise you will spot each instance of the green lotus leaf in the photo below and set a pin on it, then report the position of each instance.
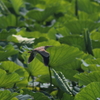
(7, 51)
(4, 33)
(87, 16)
(52, 33)
(87, 78)
(78, 26)
(74, 40)
(75, 65)
(19, 3)
(37, 95)
(41, 39)
(22, 72)
(67, 97)
(96, 44)
(93, 61)
(91, 65)
(68, 73)
(7, 95)
(35, 2)
(52, 2)
(46, 79)
(96, 52)
(24, 33)
(7, 21)
(90, 92)
(22, 83)
(9, 66)
(8, 80)
(48, 43)
(36, 68)
(40, 28)
(88, 6)
(63, 31)
(95, 36)
(63, 54)
(42, 15)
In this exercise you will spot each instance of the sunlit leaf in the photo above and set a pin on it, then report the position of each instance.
(87, 78)
(7, 95)
(37, 95)
(7, 21)
(95, 36)
(8, 80)
(19, 3)
(37, 68)
(48, 43)
(63, 54)
(41, 14)
(77, 27)
(88, 6)
(95, 44)
(96, 52)
(24, 33)
(74, 40)
(68, 73)
(35, 2)
(90, 92)
(87, 16)
(7, 51)
(9, 66)
(40, 28)
(46, 79)
(91, 65)
(4, 33)
(63, 30)
(67, 96)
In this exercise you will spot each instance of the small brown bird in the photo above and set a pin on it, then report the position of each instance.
(42, 51)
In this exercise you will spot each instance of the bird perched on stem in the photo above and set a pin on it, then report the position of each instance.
(42, 51)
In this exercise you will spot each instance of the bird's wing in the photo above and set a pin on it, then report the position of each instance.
(44, 53)
(45, 56)
(31, 57)
(46, 60)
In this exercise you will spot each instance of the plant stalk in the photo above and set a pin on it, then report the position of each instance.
(76, 8)
(50, 76)
(88, 43)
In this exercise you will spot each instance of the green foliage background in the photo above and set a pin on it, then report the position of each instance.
(72, 28)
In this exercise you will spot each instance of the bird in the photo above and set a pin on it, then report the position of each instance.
(42, 51)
